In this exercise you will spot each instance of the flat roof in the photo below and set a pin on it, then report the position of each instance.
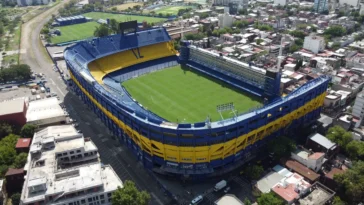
(322, 140)
(45, 173)
(44, 109)
(268, 181)
(11, 106)
(229, 199)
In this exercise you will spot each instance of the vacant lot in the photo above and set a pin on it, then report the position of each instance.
(187, 96)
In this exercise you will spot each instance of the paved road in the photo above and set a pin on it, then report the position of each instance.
(111, 152)
(34, 54)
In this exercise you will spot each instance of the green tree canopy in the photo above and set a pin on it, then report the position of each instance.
(340, 136)
(5, 129)
(15, 198)
(253, 172)
(269, 199)
(355, 149)
(27, 131)
(335, 31)
(20, 160)
(351, 183)
(114, 26)
(281, 147)
(129, 195)
(19, 72)
(102, 30)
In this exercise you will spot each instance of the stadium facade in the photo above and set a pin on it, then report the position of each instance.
(197, 150)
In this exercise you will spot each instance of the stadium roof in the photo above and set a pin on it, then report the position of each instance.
(11, 106)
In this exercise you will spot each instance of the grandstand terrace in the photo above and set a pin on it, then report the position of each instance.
(188, 150)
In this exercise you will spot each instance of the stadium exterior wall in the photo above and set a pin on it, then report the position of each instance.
(200, 152)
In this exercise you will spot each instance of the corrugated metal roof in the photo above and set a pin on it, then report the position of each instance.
(11, 106)
(323, 141)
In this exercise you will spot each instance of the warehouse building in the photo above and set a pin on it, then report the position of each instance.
(45, 112)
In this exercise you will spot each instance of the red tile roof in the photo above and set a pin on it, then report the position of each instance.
(302, 170)
(316, 155)
(23, 143)
(12, 171)
(334, 171)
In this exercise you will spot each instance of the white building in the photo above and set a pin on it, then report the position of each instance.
(240, 3)
(314, 43)
(45, 112)
(225, 20)
(280, 2)
(313, 161)
(320, 5)
(64, 168)
(354, 3)
(358, 109)
(31, 2)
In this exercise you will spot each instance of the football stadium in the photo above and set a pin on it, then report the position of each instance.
(190, 113)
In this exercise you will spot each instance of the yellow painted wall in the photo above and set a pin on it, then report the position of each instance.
(201, 154)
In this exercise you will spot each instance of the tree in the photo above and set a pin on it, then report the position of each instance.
(281, 147)
(247, 201)
(269, 199)
(5, 129)
(114, 9)
(294, 48)
(259, 41)
(351, 183)
(335, 31)
(298, 34)
(7, 155)
(355, 149)
(338, 201)
(9, 141)
(15, 198)
(336, 45)
(102, 30)
(20, 160)
(27, 131)
(254, 172)
(114, 26)
(340, 136)
(129, 195)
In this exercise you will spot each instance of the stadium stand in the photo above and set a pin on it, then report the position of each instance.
(196, 150)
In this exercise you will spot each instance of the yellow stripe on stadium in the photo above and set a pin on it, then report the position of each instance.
(200, 154)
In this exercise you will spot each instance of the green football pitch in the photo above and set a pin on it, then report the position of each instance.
(86, 30)
(184, 95)
(172, 10)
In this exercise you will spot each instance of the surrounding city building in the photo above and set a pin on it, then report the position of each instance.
(225, 20)
(13, 111)
(358, 109)
(353, 3)
(63, 167)
(32, 2)
(45, 112)
(280, 2)
(320, 6)
(314, 43)
(313, 161)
